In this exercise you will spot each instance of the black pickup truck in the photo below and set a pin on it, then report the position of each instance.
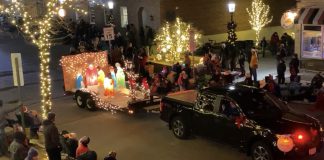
(263, 126)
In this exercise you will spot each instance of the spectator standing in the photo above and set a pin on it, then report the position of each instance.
(281, 69)
(274, 43)
(241, 62)
(52, 140)
(294, 64)
(32, 154)
(19, 147)
(129, 52)
(4, 110)
(263, 45)
(254, 64)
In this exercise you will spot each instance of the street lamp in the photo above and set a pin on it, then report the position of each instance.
(231, 27)
(231, 9)
(111, 7)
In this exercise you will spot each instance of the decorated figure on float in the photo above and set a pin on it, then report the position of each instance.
(109, 87)
(101, 76)
(79, 81)
(91, 76)
(113, 76)
(120, 75)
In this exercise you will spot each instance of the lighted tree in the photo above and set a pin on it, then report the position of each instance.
(173, 39)
(39, 29)
(259, 16)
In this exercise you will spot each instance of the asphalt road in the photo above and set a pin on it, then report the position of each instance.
(143, 136)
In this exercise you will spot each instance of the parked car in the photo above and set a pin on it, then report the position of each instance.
(250, 118)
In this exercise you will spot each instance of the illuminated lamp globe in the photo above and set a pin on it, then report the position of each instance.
(61, 12)
(231, 7)
(111, 5)
(285, 143)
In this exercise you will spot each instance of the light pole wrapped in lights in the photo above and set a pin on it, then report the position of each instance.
(111, 16)
(231, 26)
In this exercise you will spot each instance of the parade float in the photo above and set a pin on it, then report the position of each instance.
(97, 84)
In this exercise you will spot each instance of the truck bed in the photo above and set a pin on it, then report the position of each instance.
(187, 98)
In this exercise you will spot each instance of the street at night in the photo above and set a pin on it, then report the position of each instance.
(161, 80)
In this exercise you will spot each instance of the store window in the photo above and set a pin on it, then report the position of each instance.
(312, 42)
(123, 16)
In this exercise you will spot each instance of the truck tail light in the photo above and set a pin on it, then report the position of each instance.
(300, 137)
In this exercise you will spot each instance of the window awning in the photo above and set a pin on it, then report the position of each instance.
(310, 16)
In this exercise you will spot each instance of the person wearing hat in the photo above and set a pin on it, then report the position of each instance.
(52, 140)
(19, 147)
(111, 156)
(32, 154)
(4, 110)
(83, 146)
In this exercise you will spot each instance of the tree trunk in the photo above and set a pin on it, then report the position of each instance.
(45, 80)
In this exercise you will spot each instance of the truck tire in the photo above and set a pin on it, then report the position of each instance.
(80, 99)
(262, 151)
(90, 103)
(179, 128)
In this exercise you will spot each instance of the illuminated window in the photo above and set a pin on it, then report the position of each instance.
(123, 16)
(312, 42)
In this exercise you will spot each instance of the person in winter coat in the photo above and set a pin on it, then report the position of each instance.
(89, 155)
(72, 144)
(281, 69)
(19, 147)
(32, 154)
(274, 43)
(52, 140)
(83, 146)
(294, 63)
(4, 110)
(263, 45)
(254, 64)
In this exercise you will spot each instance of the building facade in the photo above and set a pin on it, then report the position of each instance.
(211, 16)
(309, 30)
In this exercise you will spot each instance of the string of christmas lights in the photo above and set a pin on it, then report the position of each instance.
(38, 30)
(259, 17)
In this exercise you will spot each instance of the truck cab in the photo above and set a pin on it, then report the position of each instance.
(246, 117)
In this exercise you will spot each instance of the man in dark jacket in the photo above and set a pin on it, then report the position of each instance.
(52, 140)
(281, 69)
(19, 148)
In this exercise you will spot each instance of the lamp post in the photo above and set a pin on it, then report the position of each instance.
(111, 7)
(231, 9)
(231, 26)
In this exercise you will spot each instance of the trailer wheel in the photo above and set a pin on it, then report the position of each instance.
(90, 103)
(80, 99)
(179, 128)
